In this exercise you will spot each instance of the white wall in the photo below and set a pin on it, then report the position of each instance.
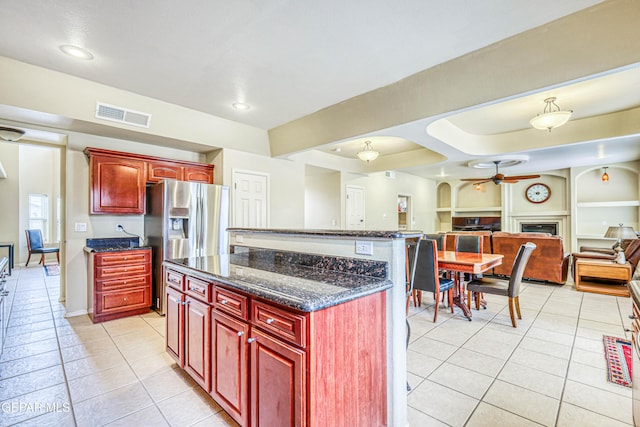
(286, 185)
(381, 200)
(322, 201)
(38, 174)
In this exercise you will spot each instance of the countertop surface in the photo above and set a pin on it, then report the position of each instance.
(300, 287)
(370, 234)
(113, 244)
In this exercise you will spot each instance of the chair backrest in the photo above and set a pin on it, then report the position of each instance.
(425, 272)
(519, 264)
(441, 242)
(468, 243)
(34, 239)
(410, 249)
(632, 253)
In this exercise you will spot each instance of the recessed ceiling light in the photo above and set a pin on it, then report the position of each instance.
(76, 52)
(241, 106)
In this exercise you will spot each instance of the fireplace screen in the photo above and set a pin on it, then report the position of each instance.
(550, 227)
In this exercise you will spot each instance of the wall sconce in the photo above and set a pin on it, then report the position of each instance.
(478, 187)
(11, 134)
(605, 175)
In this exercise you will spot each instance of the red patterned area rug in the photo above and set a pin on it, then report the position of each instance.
(617, 354)
(52, 270)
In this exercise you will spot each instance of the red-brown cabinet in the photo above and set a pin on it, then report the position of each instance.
(117, 185)
(118, 180)
(121, 282)
(197, 345)
(229, 368)
(174, 334)
(269, 365)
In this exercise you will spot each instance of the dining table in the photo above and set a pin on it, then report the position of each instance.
(472, 263)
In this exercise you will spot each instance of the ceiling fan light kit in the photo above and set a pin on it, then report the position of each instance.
(368, 153)
(499, 178)
(552, 116)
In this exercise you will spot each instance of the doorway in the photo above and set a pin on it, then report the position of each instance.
(405, 218)
(251, 199)
(354, 208)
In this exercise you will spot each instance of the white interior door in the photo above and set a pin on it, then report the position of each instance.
(251, 202)
(354, 208)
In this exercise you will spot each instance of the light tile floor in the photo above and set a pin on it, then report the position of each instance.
(549, 371)
(58, 371)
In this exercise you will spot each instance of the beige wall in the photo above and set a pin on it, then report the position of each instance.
(9, 194)
(322, 201)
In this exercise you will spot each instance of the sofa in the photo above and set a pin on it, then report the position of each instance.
(548, 261)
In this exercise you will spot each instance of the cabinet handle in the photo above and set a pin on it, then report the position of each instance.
(124, 299)
(627, 330)
(125, 258)
(178, 301)
(269, 321)
(633, 317)
(240, 333)
(250, 340)
(224, 302)
(186, 302)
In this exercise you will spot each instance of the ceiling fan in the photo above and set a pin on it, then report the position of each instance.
(499, 178)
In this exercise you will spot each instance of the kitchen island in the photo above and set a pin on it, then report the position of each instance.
(278, 336)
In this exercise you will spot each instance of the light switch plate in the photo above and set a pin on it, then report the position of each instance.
(80, 226)
(364, 248)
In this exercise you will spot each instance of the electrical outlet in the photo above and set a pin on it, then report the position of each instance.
(364, 248)
(119, 227)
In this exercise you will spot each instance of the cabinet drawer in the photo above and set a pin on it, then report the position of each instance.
(112, 302)
(122, 257)
(175, 279)
(286, 325)
(231, 302)
(104, 273)
(125, 282)
(199, 289)
(157, 171)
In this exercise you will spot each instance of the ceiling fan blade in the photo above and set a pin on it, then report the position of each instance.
(517, 177)
(474, 179)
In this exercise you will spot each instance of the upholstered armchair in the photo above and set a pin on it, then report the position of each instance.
(631, 253)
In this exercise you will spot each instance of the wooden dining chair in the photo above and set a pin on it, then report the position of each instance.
(509, 288)
(35, 245)
(424, 276)
(469, 243)
(440, 239)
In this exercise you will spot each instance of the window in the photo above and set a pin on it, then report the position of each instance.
(39, 214)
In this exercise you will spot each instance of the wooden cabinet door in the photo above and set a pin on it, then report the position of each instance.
(157, 171)
(174, 316)
(197, 352)
(196, 173)
(229, 365)
(117, 185)
(278, 391)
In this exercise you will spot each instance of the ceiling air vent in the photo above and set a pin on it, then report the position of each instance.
(122, 115)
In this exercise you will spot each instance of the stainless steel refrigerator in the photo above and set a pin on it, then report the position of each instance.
(184, 220)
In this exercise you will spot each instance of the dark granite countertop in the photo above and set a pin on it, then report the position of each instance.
(304, 288)
(365, 234)
(113, 244)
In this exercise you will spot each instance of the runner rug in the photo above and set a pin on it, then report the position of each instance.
(617, 354)
(52, 270)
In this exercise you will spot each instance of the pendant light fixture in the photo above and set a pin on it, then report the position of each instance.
(605, 175)
(368, 153)
(551, 117)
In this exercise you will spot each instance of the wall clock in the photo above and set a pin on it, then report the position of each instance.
(538, 193)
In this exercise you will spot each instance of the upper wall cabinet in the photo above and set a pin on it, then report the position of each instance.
(117, 185)
(118, 180)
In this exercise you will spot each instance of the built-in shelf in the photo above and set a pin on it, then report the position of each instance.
(619, 203)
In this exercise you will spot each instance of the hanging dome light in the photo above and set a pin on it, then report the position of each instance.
(11, 134)
(368, 153)
(551, 117)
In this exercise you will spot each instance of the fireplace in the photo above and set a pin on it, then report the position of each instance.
(545, 227)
